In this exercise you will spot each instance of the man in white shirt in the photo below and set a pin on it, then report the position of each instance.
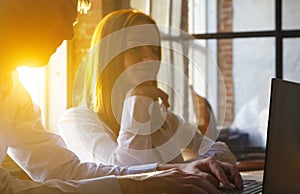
(30, 33)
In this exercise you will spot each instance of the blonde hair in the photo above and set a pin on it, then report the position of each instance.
(100, 78)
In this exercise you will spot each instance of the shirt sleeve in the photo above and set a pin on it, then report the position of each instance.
(101, 185)
(92, 140)
(201, 146)
(147, 131)
(44, 155)
(140, 141)
(87, 136)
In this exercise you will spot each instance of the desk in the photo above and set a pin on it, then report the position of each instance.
(253, 175)
(250, 165)
(14, 169)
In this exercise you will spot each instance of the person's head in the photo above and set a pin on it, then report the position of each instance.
(123, 39)
(32, 31)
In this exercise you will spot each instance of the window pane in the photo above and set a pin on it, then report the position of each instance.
(253, 15)
(291, 59)
(290, 14)
(231, 16)
(253, 68)
(143, 6)
(200, 20)
(161, 12)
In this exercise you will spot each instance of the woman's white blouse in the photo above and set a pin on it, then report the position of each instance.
(163, 137)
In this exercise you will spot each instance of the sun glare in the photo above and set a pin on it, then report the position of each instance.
(33, 80)
(45, 83)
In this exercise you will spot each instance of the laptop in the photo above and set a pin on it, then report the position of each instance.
(282, 161)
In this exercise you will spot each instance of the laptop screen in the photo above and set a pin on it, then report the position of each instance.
(282, 166)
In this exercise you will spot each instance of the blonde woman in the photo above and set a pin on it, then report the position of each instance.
(123, 118)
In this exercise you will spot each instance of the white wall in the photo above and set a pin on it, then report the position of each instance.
(57, 87)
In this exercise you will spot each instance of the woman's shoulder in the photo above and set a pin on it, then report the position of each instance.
(79, 110)
(87, 117)
(79, 113)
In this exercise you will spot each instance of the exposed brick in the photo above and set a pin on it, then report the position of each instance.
(225, 62)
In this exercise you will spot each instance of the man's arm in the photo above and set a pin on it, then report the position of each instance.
(102, 185)
(212, 170)
(44, 155)
(172, 181)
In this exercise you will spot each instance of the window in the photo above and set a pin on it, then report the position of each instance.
(252, 41)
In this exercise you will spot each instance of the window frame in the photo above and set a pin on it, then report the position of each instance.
(279, 34)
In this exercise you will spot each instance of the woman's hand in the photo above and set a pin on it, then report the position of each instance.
(150, 90)
(172, 181)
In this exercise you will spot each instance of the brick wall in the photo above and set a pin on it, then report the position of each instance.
(224, 59)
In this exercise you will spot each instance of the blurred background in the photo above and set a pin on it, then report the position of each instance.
(240, 46)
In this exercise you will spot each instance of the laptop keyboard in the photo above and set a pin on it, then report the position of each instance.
(250, 187)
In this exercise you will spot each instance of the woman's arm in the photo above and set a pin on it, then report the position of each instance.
(141, 118)
(201, 146)
(92, 140)
(154, 134)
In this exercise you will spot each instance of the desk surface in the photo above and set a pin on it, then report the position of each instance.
(250, 165)
(254, 175)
